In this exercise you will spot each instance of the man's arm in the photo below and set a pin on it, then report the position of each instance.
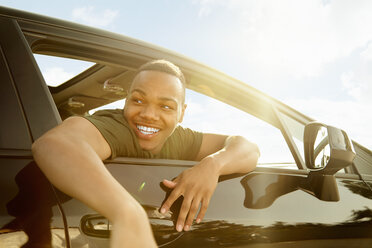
(71, 155)
(218, 155)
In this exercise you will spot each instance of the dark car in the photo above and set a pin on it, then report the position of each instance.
(320, 197)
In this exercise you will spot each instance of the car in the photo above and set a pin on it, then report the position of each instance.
(320, 197)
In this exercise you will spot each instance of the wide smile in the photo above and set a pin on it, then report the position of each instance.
(147, 130)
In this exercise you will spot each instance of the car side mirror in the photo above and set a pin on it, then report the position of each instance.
(327, 149)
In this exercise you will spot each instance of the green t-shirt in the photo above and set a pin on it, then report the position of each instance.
(183, 144)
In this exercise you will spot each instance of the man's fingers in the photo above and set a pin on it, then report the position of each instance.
(169, 184)
(170, 200)
(183, 213)
(192, 212)
(202, 211)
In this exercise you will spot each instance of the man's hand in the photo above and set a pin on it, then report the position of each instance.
(218, 155)
(196, 185)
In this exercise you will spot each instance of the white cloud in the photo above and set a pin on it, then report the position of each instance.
(353, 88)
(193, 108)
(88, 15)
(353, 117)
(54, 76)
(296, 38)
(367, 54)
(205, 8)
(359, 84)
(285, 41)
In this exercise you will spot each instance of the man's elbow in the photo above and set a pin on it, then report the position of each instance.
(251, 147)
(255, 149)
(48, 148)
(42, 146)
(252, 150)
(56, 139)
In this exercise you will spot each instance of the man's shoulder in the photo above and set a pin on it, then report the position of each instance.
(113, 114)
(108, 112)
(109, 119)
(183, 144)
(115, 129)
(183, 135)
(180, 130)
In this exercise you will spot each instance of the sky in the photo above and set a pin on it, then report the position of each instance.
(314, 55)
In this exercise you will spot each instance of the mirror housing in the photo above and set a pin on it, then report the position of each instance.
(337, 145)
(333, 148)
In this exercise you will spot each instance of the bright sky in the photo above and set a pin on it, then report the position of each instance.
(314, 55)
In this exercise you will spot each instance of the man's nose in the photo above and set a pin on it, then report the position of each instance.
(149, 112)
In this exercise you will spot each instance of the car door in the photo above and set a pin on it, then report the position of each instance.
(27, 111)
(269, 206)
(276, 205)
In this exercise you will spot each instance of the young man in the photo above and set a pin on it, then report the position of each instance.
(71, 154)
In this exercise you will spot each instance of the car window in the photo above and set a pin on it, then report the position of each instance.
(208, 115)
(296, 130)
(114, 105)
(203, 114)
(58, 70)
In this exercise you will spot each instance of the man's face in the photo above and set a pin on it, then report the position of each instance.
(153, 108)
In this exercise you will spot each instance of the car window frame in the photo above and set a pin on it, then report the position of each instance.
(65, 39)
(57, 46)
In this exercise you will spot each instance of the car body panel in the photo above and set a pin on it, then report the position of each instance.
(248, 209)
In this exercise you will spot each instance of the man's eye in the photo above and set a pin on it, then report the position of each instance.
(166, 107)
(139, 101)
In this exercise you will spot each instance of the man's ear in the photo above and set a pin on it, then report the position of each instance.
(125, 102)
(182, 112)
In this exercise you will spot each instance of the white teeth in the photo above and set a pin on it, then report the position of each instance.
(147, 130)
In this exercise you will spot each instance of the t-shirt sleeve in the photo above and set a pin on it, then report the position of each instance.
(187, 142)
(118, 136)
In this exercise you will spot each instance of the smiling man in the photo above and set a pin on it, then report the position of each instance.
(154, 107)
(71, 154)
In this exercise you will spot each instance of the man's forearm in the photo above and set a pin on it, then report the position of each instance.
(238, 156)
(73, 166)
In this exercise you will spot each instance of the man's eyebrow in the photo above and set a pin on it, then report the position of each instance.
(139, 91)
(168, 99)
(160, 98)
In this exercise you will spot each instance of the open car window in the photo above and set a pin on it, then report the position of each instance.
(58, 70)
(203, 113)
(208, 115)
(296, 131)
